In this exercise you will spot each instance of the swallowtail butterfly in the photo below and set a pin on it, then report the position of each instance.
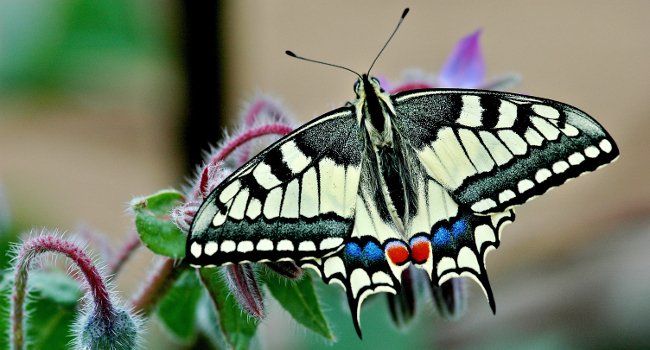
(427, 178)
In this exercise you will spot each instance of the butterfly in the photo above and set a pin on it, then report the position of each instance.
(425, 178)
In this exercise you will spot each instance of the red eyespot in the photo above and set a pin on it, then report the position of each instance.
(420, 249)
(397, 252)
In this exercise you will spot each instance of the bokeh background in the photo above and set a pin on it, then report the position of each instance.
(103, 101)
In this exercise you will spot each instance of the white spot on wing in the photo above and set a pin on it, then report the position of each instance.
(284, 245)
(483, 233)
(476, 151)
(309, 194)
(592, 152)
(229, 191)
(483, 205)
(330, 243)
(228, 246)
(211, 248)
(507, 114)
(264, 177)
(514, 142)
(606, 146)
(546, 111)
(542, 175)
(332, 187)
(533, 137)
(358, 279)
(245, 246)
(295, 159)
(333, 265)
(560, 167)
(306, 246)
(453, 158)
(470, 114)
(570, 130)
(547, 129)
(218, 219)
(254, 208)
(467, 258)
(498, 151)
(576, 158)
(352, 175)
(445, 263)
(381, 277)
(525, 185)
(265, 245)
(506, 196)
(272, 203)
(238, 206)
(196, 249)
(290, 202)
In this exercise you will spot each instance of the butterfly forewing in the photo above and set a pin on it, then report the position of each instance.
(293, 201)
(494, 150)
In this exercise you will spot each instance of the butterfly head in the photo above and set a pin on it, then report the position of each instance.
(374, 109)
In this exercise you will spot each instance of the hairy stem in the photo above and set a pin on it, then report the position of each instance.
(52, 244)
(156, 286)
(124, 253)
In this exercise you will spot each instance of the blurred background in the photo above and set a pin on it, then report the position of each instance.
(101, 101)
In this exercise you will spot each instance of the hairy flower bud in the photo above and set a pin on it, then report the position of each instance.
(95, 331)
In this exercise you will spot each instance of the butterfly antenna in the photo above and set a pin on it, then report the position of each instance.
(290, 53)
(401, 19)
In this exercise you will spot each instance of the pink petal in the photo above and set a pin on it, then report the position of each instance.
(465, 68)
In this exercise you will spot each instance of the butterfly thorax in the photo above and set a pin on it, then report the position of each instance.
(386, 161)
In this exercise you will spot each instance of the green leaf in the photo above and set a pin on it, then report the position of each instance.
(237, 328)
(299, 298)
(5, 292)
(177, 310)
(51, 309)
(152, 220)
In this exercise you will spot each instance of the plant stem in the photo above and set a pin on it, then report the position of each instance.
(52, 244)
(124, 253)
(156, 286)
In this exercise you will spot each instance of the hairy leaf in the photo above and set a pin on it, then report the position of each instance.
(156, 230)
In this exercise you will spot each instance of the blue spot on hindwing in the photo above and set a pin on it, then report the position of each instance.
(352, 252)
(372, 253)
(442, 237)
(458, 228)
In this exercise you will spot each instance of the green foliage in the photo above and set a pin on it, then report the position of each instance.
(237, 329)
(57, 44)
(51, 310)
(153, 223)
(300, 300)
(178, 309)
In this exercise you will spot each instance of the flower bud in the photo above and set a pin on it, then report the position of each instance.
(96, 331)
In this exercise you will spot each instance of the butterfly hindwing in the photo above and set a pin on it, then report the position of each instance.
(293, 201)
(494, 150)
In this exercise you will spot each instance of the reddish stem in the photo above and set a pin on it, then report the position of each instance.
(124, 253)
(157, 284)
(271, 129)
(52, 244)
(256, 109)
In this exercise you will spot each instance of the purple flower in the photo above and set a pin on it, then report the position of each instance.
(465, 68)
